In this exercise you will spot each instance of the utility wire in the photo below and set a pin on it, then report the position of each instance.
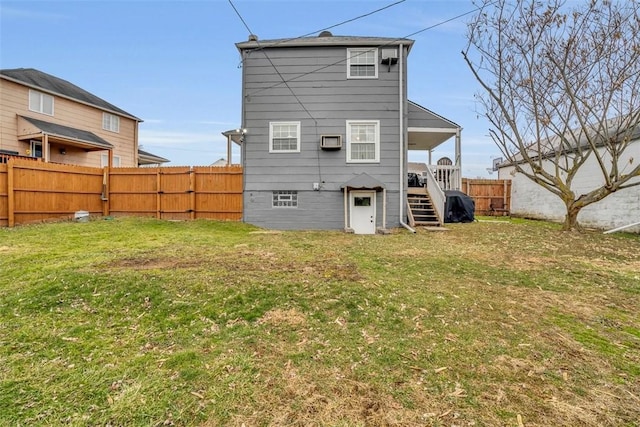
(284, 81)
(362, 53)
(332, 26)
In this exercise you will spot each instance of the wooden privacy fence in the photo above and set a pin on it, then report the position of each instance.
(36, 191)
(484, 190)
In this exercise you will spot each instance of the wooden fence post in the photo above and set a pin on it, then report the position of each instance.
(159, 194)
(11, 220)
(504, 195)
(105, 191)
(192, 193)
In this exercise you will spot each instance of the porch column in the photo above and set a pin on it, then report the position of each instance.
(384, 208)
(45, 148)
(458, 161)
(346, 209)
(229, 150)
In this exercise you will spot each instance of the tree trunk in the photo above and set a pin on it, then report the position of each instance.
(571, 218)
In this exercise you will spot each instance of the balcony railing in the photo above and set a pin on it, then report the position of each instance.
(448, 177)
(4, 158)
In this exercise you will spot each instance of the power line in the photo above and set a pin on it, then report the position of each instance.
(284, 81)
(330, 27)
(377, 47)
(275, 68)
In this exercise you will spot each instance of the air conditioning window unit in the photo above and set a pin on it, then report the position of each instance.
(389, 56)
(331, 142)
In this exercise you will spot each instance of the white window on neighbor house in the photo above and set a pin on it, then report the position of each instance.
(285, 199)
(362, 63)
(40, 102)
(284, 137)
(110, 122)
(104, 161)
(36, 149)
(363, 141)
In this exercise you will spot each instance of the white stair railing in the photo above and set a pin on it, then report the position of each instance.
(437, 195)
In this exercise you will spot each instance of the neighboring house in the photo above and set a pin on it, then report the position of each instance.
(220, 162)
(619, 209)
(326, 126)
(49, 118)
(148, 159)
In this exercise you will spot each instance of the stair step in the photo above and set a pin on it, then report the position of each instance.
(422, 210)
(428, 223)
(425, 219)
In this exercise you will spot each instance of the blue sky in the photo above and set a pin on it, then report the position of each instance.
(174, 63)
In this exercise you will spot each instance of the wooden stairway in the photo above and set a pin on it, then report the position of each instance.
(421, 211)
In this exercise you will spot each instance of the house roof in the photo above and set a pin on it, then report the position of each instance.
(427, 129)
(324, 39)
(147, 158)
(363, 181)
(617, 129)
(65, 132)
(417, 167)
(37, 79)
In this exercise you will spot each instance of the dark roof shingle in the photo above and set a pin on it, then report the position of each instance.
(69, 132)
(48, 83)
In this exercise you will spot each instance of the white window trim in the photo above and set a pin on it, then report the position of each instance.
(104, 161)
(294, 199)
(114, 122)
(377, 140)
(271, 124)
(353, 52)
(32, 149)
(40, 108)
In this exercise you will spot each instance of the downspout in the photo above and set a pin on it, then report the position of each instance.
(243, 146)
(403, 178)
(136, 144)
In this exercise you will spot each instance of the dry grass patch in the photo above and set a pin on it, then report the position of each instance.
(144, 322)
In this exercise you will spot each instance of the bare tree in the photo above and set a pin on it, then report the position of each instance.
(561, 87)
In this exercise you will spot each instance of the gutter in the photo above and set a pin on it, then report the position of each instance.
(403, 178)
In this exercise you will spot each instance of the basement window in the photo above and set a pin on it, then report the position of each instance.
(285, 199)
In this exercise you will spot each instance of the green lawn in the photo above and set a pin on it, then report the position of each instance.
(145, 322)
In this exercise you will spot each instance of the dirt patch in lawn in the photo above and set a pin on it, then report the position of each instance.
(278, 316)
(153, 263)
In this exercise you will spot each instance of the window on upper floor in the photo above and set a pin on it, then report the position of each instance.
(40, 102)
(363, 141)
(285, 199)
(110, 122)
(362, 63)
(284, 137)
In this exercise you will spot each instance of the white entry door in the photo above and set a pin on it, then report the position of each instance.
(363, 212)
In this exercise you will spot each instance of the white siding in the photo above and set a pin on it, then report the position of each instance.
(530, 200)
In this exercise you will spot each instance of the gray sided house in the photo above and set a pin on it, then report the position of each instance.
(326, 127)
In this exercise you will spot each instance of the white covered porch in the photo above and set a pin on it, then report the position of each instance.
(426, 131)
